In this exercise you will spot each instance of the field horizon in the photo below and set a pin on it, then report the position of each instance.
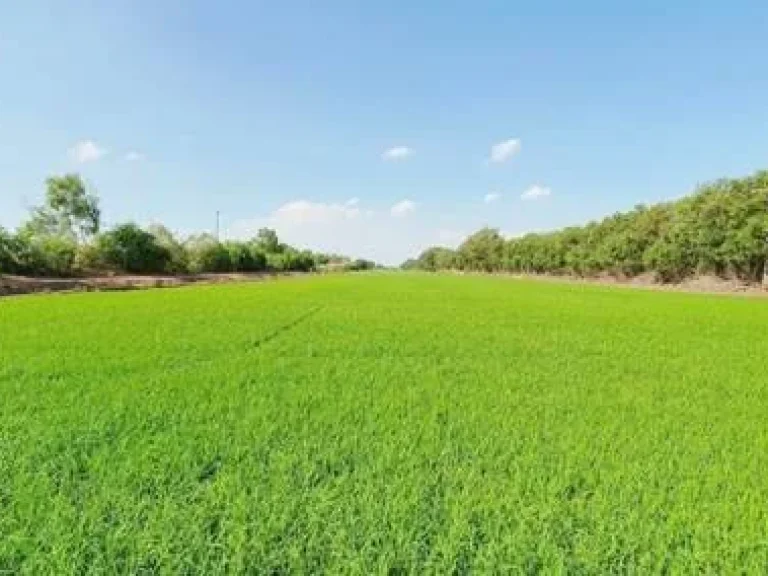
(383, 423)
(15, 285)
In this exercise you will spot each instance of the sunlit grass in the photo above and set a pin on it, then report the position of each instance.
(383, 423)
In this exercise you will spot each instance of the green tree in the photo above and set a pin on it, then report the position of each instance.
(721, 229)
(482, 251)
(8, 253)
(268, 241)
(128, 248)
(69, 210)
(206, 254)
(179, 261)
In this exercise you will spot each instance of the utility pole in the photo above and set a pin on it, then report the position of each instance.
(218, 226)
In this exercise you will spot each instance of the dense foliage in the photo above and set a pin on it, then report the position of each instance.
(722, 229)
(63, 237)
(402, 424)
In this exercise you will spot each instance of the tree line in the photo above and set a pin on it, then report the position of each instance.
(64, 237)
(721, 229)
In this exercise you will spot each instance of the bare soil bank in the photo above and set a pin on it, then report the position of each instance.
(701, 284)
(10, 285)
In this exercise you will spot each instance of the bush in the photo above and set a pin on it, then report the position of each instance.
(291, 260)
(87, 259)
(359, 265)
(245, 257)
(8, 251)
(179, 261)
(36, 256)
(27, 257)
(206, 254)
(258, 258)
(55, 255)
(128, 248)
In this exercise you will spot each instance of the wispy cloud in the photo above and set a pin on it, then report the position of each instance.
(503, 151)
(306, 212)
(86, 151)
(397, 153)
(402, 208)
(536, 192)
(134, 156)
(491, 197)
(352, 202)
(343, 229)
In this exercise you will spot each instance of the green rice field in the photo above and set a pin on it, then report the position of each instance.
(384, 424)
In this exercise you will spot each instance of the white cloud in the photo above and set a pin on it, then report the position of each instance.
(535, 192)
(397, 153)
(300, 212)
(352, 202)
(356, 231)
(86, 151)
(402, 208)
(503, 151)
(491, 197)
(134, 156)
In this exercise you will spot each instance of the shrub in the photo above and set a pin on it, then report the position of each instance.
(258, 258)
(8, 250)
(55, 255)
(291, 260)
(128, 248)
(245, 257)
(36, 256)
(360, 265)
(179, 260)
(206, 254)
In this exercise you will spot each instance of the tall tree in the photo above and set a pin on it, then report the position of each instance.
(482, 251)
(268, 241)
(69, 210)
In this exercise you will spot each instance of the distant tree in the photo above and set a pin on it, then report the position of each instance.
(179, 261)
(291, 260)
(69, 211)
(245, 257)
(482, 251)
(206, 254)
(360, 265)
(54, 255)
(258, 257)
(8, 253)
(128, 248)
(268, 241)
(721, 229)
(435, 258)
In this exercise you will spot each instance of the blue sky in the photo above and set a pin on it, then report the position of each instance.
(282, 113)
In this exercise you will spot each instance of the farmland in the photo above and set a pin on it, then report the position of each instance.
(383, 423)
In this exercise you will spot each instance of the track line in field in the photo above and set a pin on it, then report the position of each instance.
(280, 330)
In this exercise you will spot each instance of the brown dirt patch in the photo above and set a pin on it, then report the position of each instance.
(700, 284)
(10, 285)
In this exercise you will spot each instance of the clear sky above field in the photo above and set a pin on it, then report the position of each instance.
(376, 128)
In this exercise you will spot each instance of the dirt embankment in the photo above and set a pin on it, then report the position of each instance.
(10, 285)
(701, 284)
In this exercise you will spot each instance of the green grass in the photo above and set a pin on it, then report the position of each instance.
(384, 424)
